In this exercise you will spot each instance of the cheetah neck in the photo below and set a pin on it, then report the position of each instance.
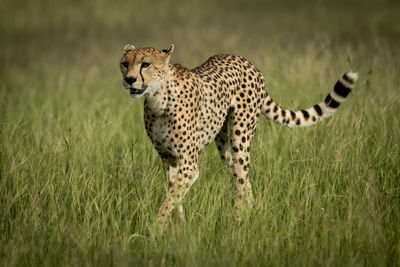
(159, 101)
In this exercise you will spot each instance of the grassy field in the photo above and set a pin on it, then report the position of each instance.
(80, 183)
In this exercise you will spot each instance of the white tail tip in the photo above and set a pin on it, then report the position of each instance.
(352, 75)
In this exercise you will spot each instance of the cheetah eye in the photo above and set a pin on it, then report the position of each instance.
(145, 64)
(125, 64)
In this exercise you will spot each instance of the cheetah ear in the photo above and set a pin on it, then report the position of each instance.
(168, 50)
(128, 48)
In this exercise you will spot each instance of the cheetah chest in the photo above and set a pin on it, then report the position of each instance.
(159, 133)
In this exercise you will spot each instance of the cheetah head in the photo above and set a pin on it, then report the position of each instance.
(144, 69)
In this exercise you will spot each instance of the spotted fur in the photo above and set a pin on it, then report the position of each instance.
(220, 100)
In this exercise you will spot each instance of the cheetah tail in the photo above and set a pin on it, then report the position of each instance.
(318, 112)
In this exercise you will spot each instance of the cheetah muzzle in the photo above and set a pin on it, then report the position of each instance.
(220, 100)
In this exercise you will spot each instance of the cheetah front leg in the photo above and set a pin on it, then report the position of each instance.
(171, 171)
(181, 179)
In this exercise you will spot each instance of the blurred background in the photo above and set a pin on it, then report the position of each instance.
(86, 33)
(48, 47)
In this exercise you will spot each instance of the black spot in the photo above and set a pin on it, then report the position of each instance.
(241, 181)
(276, 117)
(341, 89)
(235, 149)
(275, 108)
(305, 114)
(283, 113)
(318, 110)
(298, 122)
(241, 161)
(293, 114)
(331, 102)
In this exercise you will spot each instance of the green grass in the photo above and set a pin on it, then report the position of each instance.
(80, 183)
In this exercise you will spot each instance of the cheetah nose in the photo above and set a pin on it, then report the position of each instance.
(130, 80)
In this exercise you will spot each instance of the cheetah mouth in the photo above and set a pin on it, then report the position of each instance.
(136, 92)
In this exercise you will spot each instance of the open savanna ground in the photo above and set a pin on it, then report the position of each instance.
(81, 184)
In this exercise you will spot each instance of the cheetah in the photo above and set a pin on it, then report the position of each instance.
(220, 100)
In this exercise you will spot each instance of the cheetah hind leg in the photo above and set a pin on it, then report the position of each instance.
(241, 138)
(223, 144)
